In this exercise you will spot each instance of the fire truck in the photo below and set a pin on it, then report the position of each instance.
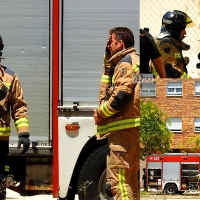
(173, 173)
(56, 48)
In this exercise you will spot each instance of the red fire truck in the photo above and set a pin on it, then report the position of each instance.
(173, 173)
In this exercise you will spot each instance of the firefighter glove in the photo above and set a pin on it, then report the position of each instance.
(23, 140)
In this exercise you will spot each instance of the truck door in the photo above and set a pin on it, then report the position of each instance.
(171, 177)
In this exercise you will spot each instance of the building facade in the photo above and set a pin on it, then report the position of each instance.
(180, 100)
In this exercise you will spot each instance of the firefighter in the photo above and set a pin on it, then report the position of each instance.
(170, 44)
(13, 105)
(149, 52)
(117, 117)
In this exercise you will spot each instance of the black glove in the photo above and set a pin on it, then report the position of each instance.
(23, 139)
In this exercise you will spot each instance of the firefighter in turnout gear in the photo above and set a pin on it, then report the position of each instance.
(117, 117)
(170, 44)
(12, 104)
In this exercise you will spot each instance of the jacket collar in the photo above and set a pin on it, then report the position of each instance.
(121, 54)
(181, 45)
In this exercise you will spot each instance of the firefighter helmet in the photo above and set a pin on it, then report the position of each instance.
(1, 45)
(173, 22)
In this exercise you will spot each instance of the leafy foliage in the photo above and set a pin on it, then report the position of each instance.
(155, 137)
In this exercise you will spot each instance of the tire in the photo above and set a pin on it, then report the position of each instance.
(92, 177)
(171, 189)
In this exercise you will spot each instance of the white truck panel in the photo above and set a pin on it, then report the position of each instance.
(86, 26)
(71, 143)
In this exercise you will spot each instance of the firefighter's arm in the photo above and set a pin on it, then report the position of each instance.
(107, 54)
(105, 82)
(121, 93)
(159, 66)
(19, 114)
(105, 78)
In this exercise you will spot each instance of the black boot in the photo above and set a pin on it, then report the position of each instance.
(2, 187)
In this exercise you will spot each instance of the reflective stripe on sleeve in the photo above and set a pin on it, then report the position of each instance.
(118, 125)
(21, 122)
(5, 131)
(136, 67)
(105, 60)
(106, 110)
(106, 79)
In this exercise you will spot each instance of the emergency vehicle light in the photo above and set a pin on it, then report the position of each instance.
(72, 127)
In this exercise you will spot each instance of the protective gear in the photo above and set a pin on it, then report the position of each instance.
(122, 108)
(1, 45)
(173, 22)
(14, 99)
(23, 140)
(119, 100)
(173, 60)
(123, 163)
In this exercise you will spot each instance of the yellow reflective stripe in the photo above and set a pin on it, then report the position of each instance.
(122, 184)
(7, 168)
(185, 75)
(21, 122)
(106, 79)
(7, 85)
(177, 55)
(106, 111)
(118, 125)
(5, 131)
(136, 67)
(105, 60)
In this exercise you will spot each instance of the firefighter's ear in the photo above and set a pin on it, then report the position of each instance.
(122, 45)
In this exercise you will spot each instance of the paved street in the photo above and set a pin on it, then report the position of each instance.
(11, 195)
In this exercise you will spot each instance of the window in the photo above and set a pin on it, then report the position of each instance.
(174, 89)
(176, 124)
(197, 88)
(197, 124)
(148, 89)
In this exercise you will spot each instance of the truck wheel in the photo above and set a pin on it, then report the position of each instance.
(171, 189)
(92, 177)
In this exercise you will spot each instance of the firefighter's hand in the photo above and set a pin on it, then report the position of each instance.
(97, 119)
(24, 140)
(108, 45)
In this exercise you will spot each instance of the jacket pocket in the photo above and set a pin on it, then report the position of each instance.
(119, 157)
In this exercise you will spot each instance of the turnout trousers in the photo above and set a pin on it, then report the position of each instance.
(123, 164)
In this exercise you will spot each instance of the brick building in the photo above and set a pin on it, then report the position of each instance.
(180, 100)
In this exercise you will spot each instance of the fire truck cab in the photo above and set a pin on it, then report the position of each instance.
(174, 172)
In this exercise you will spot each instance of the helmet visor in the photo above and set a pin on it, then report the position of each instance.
(189, 22)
